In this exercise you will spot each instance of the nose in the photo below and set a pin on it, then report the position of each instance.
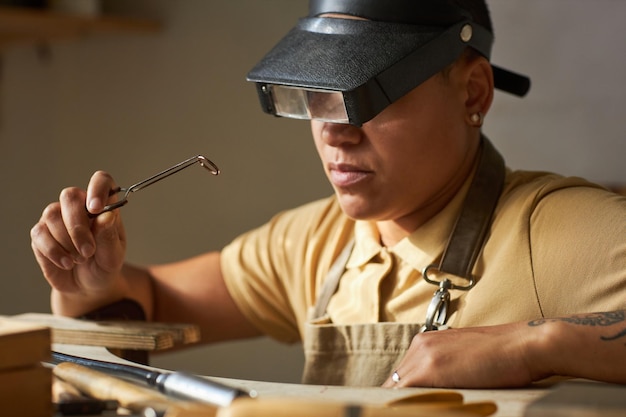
(339, 134)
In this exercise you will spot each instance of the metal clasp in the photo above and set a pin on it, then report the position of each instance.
(452, 285)
(437, 313)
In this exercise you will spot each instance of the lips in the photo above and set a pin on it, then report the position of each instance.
(346, 175)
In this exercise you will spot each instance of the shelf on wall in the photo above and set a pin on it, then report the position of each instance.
(28, 26)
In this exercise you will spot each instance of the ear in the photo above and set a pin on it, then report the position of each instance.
(479, 87)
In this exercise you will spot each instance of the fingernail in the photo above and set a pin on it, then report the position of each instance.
(67, 263)
(86, 250)
(94, 204)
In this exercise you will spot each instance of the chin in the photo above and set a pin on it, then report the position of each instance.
(355, 207)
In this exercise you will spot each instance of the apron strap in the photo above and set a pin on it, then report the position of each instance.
(332, 281)
(470, 230)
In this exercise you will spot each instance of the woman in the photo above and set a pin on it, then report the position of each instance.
(426, 231)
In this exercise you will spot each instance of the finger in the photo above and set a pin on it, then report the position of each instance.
(395, 380)
(98, 191)
(110, 240)
(47, 247)
(50, 235)
(76, 223)
(59, 278)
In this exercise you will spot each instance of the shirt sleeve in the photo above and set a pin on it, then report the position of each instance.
(272, 272)
(578, 245)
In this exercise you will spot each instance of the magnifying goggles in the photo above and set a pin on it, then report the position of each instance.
(349, 70)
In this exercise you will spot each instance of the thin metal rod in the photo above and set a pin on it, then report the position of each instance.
(203, 161)
(172, 170)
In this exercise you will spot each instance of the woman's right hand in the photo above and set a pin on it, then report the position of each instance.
(81, 256)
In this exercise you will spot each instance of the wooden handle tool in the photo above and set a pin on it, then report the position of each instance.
(173, 384)
(70, 401)
(447, 397)
(130, 396)
(289, 407)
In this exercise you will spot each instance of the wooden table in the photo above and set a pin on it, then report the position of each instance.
(510, 402)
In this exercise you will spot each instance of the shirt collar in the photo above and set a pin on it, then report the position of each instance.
(421, 248)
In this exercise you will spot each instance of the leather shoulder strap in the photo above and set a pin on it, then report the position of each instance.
(470, 230)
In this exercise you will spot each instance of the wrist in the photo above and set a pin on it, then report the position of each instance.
(544, 351)
(78, 302)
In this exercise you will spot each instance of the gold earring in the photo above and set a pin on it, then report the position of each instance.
(477, 119)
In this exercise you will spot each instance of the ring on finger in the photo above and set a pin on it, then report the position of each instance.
(395, 377)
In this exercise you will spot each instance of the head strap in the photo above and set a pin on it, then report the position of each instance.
(424, 12)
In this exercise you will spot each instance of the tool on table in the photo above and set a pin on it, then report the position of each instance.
(289, 407)
(203, 161)
(69, 401)
(148, 402)
(177, 384)
(130, 396)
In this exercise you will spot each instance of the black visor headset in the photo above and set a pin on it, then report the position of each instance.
(346, 70)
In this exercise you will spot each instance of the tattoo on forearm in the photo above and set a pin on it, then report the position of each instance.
(594, 319)
(614, 337)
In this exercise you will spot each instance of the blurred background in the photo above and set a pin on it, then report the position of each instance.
(136, 102)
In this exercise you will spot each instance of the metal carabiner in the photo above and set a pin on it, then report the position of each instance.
(437, 313)
(452, 286)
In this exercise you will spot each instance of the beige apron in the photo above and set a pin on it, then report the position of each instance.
(367, 354)
(353, 355)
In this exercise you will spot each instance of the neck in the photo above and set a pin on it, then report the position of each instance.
(392, 231)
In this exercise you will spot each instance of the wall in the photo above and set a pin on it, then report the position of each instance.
(136, 104)
(571, 120)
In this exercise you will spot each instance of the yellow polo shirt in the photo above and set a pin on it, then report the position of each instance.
(557, 246)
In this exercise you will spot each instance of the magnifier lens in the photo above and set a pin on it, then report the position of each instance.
(304, 103)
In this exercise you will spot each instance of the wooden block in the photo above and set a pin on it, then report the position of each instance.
(26, 392)
(134, 335)
(23, 344)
